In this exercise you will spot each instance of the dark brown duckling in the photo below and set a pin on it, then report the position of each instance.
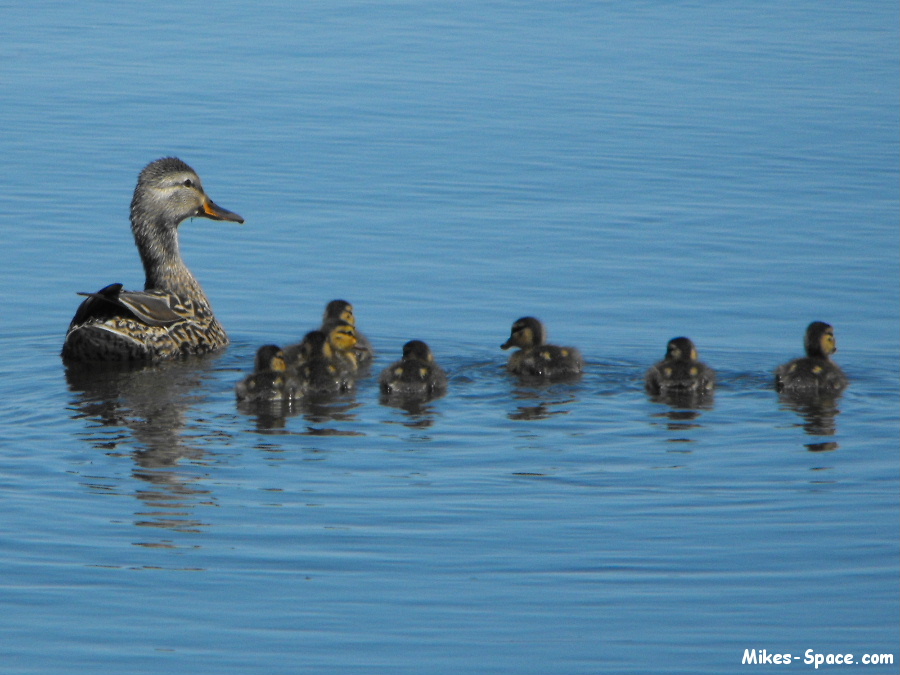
(536, 358)
(270, 380)
(680, 371)
(816, 372)
(415, 375)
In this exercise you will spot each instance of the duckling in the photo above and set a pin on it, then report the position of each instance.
(338, 311)
(172, 315)
(270, 380)
(415, 375)
(329, 363)
(681, 371)
(535, 357)
(816, 372)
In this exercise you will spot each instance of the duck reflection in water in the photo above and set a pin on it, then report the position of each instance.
(543, 402)
(818, 411)
(144, 408)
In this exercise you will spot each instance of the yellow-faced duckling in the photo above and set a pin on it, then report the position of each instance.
(341, 311)
(415, 375)
(172, 315)
(681, 371)
(329, 365)
(270, 380)
(535, 357)
(816, 372)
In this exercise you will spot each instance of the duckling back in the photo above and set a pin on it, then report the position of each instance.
(415, 375)
(320, 372)
(535, 358)
(270, 380)
(681, 371)
(816, 372)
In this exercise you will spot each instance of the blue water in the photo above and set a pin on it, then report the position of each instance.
(626, 172)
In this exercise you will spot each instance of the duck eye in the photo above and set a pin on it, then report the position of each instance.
(188, 183)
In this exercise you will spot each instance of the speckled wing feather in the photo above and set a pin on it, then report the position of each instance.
(152, 308)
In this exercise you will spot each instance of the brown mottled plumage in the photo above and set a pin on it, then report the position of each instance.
(172, 315)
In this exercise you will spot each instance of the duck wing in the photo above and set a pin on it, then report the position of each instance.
(153, 308)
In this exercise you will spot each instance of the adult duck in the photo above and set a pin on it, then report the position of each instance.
(172, 315)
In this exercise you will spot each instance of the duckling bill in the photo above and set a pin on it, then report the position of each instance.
(536, 358)
(172, 315)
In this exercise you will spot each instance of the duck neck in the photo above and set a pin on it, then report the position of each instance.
(157, 243)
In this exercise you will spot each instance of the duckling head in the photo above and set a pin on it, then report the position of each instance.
(681, 349)
(416, 349)
(820, 340)
(270, 357)
(342, 337)
(526, 332)
(339, 310)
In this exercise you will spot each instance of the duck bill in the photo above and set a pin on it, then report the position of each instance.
(507, 344)
(209, 209)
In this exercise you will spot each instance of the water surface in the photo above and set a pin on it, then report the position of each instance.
(628, 173)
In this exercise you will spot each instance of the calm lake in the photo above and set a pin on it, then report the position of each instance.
(627, 172)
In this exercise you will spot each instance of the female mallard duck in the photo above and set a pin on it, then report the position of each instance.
(816, 372)
(270, 380)
(341, 311)
(535, 357)
(415, 375)
(681, 371)
(172, 315)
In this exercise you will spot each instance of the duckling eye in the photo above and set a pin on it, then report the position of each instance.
(188, 183)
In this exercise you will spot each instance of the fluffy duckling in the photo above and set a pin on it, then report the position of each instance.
(172, 315)
(681, 371)
(816, 372)
(341, 311)
(535, 357)
(415, 375)
(329, 363)
(270, 380)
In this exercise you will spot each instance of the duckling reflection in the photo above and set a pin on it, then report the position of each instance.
(144, 410)
(818, 411)
(536, 358)
(545, 403)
